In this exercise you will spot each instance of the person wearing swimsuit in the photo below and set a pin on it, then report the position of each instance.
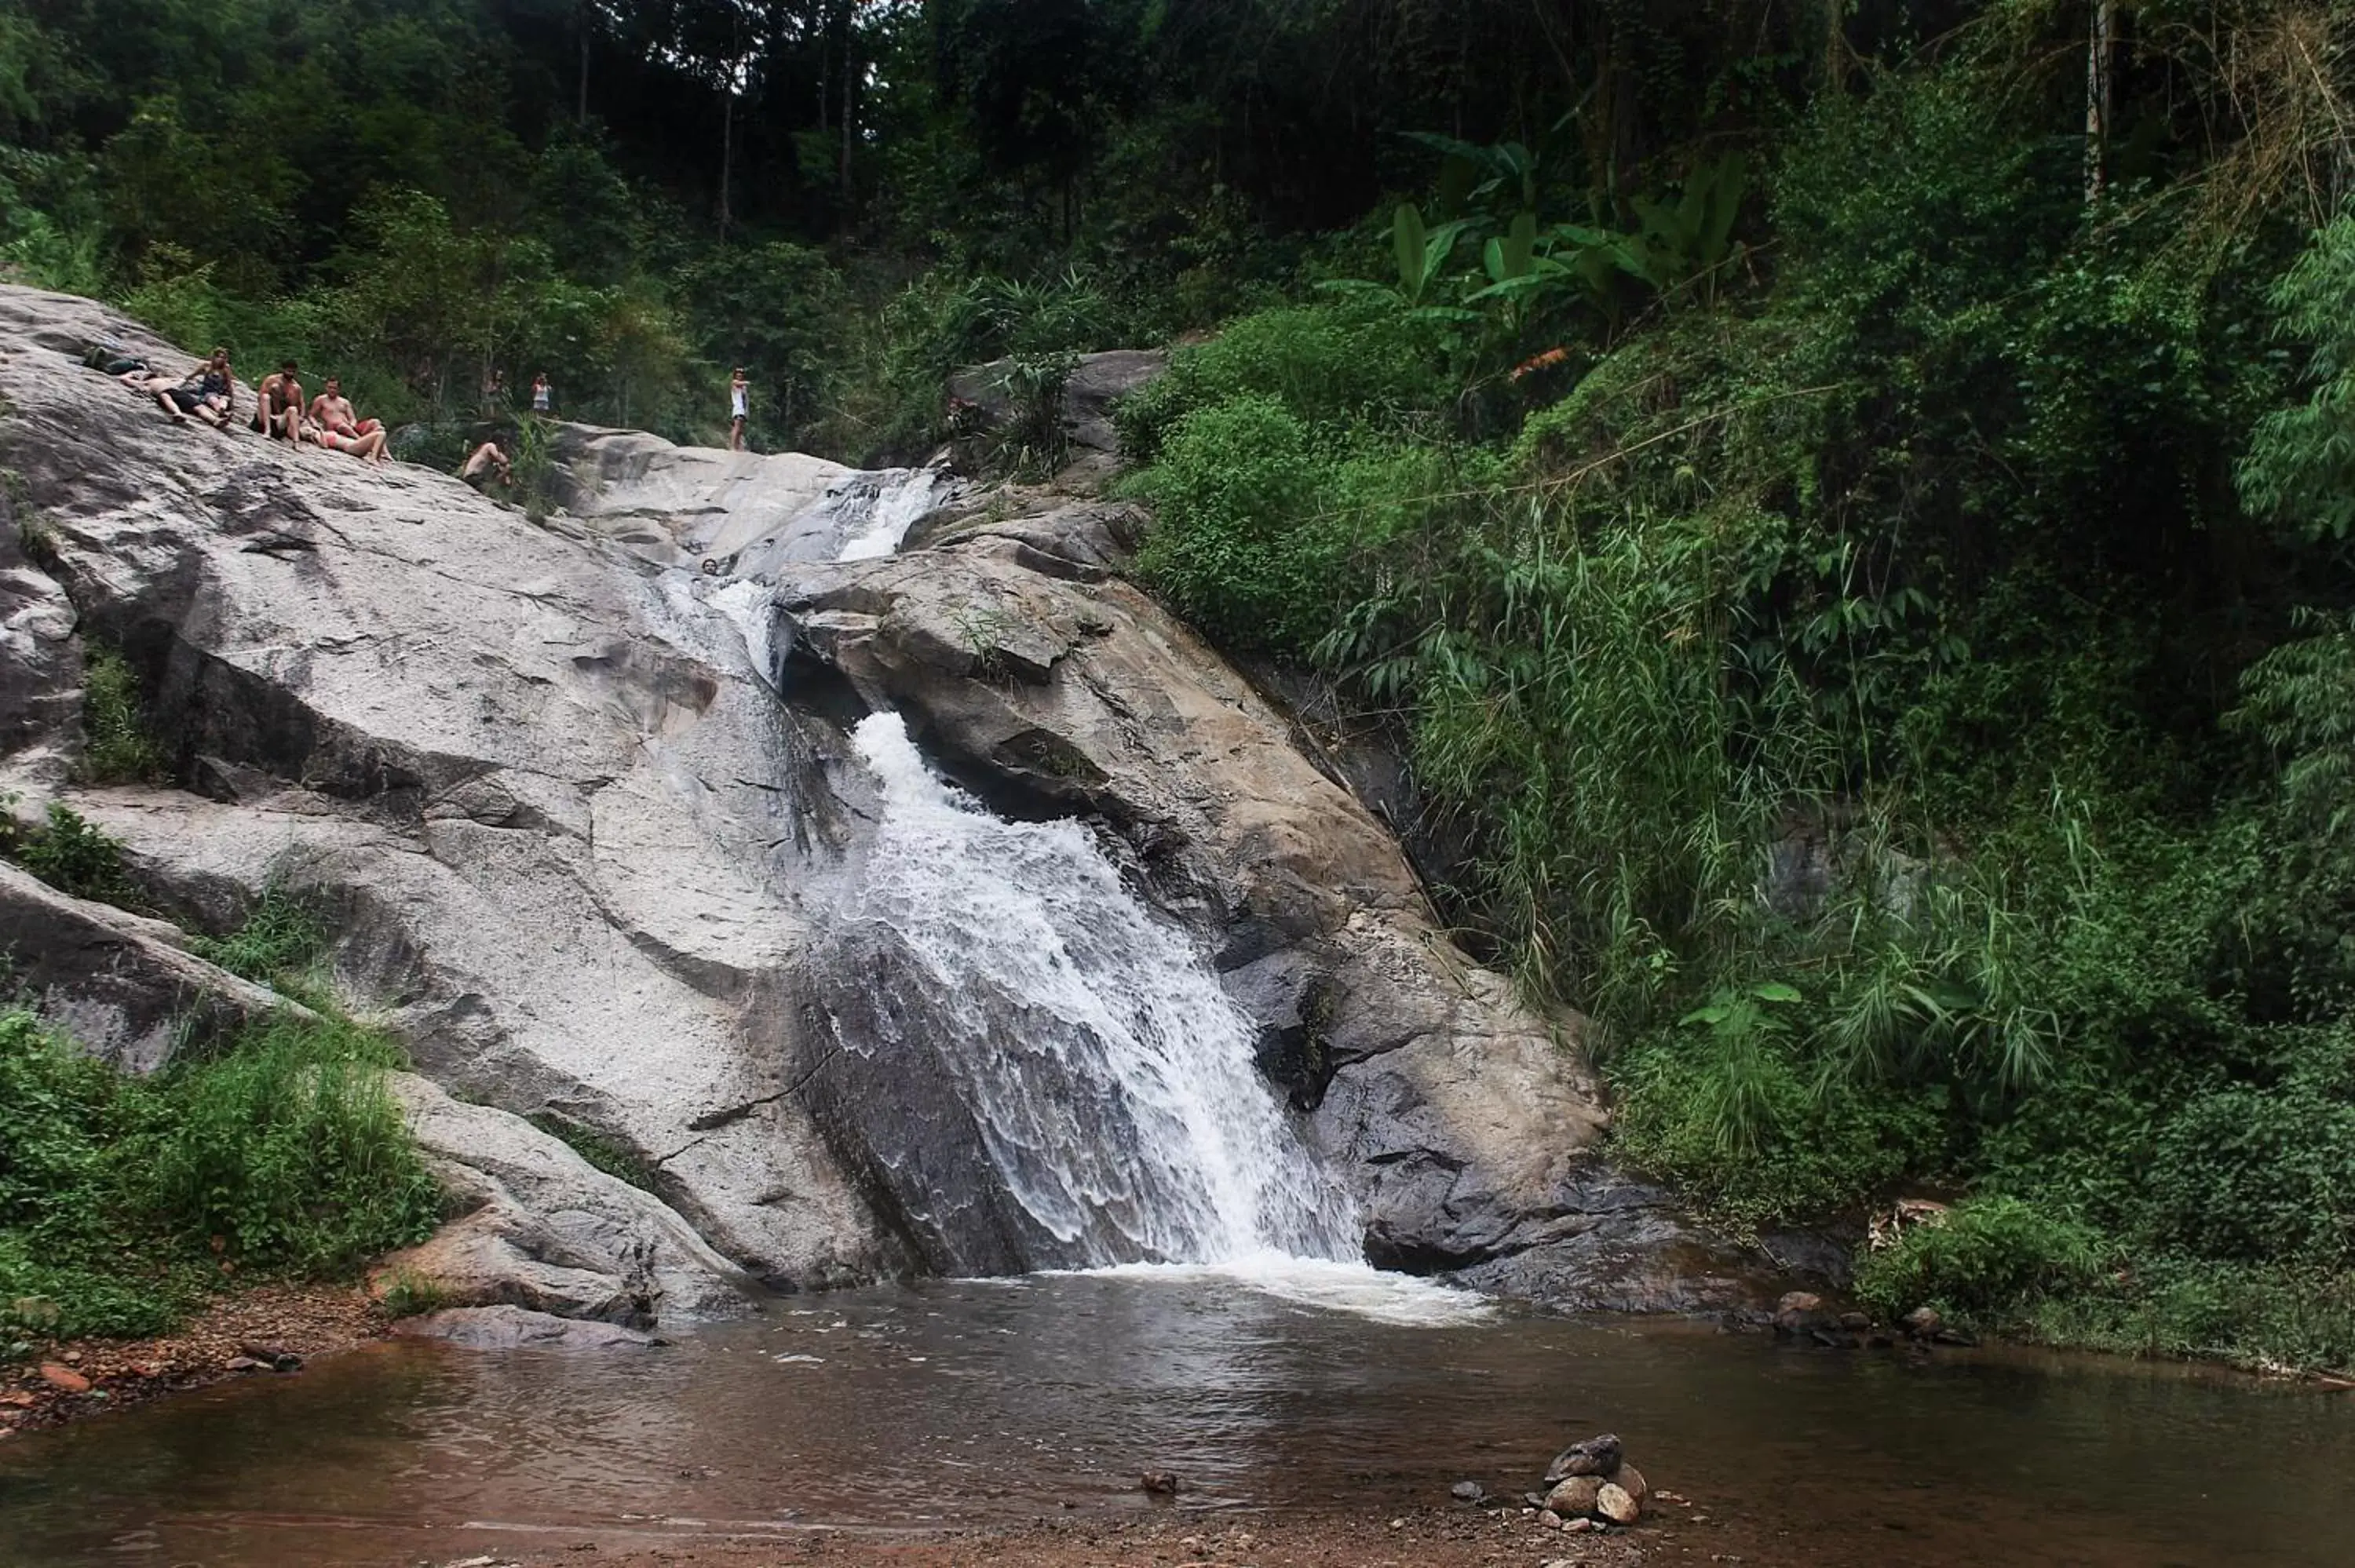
(738, 403)
(207, 393)
(278, 404)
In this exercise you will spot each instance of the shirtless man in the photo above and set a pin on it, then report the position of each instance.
(486, 465)
(278, 404)
(333, 412)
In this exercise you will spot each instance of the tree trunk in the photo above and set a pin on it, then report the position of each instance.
(2099, 47)
(727, 152)
(581, 24)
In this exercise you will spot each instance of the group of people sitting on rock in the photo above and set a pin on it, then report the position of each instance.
(279, 413)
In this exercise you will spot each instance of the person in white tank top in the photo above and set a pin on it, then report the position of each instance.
(738, 407)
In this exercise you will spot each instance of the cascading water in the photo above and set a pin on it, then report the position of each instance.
(1125, 1115)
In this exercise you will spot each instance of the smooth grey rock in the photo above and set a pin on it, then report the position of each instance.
(546, 1230)
(119, 983)
(520, 1329)
(562, 822)
(40, 667)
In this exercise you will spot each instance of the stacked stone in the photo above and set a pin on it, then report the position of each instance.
(1593, 1480)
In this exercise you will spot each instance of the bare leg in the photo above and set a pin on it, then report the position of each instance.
(164, 401)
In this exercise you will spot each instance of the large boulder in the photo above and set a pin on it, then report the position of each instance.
(561, 821)
(546, 1230)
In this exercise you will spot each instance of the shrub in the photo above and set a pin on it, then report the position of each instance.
(72, 856)
(1241, 544)
(1332, 365)
(282, 937)
(1986, 1260)
(2253, 1174)
(117, 749)
(288, 1148)
(123, 1200)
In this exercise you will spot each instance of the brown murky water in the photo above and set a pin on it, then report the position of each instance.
(964, 1404)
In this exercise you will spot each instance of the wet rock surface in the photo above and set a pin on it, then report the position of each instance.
(518, 1328)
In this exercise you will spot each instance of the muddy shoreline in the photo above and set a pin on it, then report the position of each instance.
(71, 1380)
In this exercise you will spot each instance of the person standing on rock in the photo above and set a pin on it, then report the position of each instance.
(540, 395)
(740, 392)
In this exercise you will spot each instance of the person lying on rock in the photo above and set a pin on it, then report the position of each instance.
(208, 393)
(485, 466)
(278, 404)
(367, 446)
(331, 411)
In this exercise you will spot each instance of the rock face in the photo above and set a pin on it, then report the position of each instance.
(546, 1230)
(518, 1328)
(584, 859)
(121, 984)
(560, 823)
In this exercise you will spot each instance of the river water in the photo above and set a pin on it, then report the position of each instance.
(958, 1404)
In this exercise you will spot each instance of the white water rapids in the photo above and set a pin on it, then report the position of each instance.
(1133, 1123)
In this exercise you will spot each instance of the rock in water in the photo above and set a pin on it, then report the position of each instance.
(1615, 1503)
(1159, 1483)
(517, 1329)
(1467, 1491)
(1801, 1312)
(1574, 1496)
(1596, 1457)
(1923, 1322)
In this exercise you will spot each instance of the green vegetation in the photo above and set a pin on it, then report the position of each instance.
(598, 1149)
(124, 1200)
(69, 853)
(117, 747)
(279, 944)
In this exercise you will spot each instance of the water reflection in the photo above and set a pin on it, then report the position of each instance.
(955, 1403)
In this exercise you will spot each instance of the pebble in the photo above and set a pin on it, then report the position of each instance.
(1616, 1503)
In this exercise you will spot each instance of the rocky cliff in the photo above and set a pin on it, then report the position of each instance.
(577, 794)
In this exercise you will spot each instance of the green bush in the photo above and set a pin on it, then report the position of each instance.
(70, 855)
(1331, 365)
(277, 944)
(1986, 1260)
(124, 1200)
(117, 747)
(289, 1148)
(1242, 543)
(2256, 1175)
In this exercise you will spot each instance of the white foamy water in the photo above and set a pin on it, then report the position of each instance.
(1122, 1110)
(863, 516)
(1331, 1285)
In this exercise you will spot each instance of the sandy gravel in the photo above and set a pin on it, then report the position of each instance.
(306, 1320)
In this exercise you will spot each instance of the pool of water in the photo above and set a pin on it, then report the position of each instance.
(957, 1403)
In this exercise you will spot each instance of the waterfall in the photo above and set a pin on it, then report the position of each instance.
(1125, 1115)
(862, 517)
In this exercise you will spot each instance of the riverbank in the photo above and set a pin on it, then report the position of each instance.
(1427, 1537)
(66, 1379)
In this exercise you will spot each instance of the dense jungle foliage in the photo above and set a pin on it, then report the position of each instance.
(1845, 502)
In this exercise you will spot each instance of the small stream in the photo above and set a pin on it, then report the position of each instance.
(1323, 1387)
